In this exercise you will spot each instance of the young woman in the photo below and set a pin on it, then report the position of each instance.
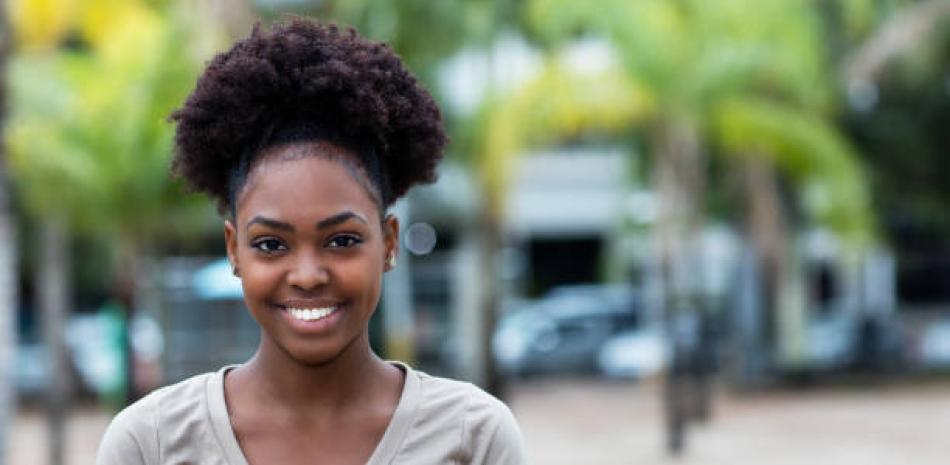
(305, 135)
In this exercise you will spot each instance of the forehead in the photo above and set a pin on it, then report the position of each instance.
(289, 183)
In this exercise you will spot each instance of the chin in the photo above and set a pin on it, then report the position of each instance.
(314, 359)
(319, 355)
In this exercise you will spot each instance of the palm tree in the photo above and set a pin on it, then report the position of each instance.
(8, 261)
(728, 76)
(558, 104)
(89, 141)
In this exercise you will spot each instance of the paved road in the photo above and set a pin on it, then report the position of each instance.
(601, 423)
(583, 422)
(29, 442)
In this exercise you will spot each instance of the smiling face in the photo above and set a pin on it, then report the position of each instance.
(311, 248)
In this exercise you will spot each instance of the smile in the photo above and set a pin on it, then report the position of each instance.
(311, 314)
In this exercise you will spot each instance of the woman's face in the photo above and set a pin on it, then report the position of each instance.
(311, 250)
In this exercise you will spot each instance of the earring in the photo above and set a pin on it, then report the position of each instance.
(391, 261)
(235, 271)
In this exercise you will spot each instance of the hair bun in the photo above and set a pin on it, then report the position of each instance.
(306, 71)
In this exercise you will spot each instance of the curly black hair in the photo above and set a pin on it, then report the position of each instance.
(305, 81)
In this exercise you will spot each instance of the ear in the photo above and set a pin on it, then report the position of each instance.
(230, 241)
(390, 241)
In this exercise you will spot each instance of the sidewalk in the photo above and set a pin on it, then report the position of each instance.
(600, 423)
(29, 445)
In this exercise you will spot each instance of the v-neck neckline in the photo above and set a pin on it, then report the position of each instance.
(384, 452)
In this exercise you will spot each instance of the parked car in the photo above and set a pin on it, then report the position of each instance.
(831, 342)
(564, 330)
(635, 354)
(934, 349)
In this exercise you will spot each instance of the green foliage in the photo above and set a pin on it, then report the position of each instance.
(423, 32)
(691, 52)
(558, 104)
(809, 150)
(858, 16)
(752, 75)
(88, 138)
(904, 142)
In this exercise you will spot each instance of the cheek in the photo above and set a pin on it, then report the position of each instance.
(361, 277)
(259, 280)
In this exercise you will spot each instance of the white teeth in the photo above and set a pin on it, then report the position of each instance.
(311, 314)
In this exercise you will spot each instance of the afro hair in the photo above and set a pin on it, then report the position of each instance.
(303, 73)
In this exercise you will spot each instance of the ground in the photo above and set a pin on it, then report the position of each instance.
(609, 423)
(595, 422)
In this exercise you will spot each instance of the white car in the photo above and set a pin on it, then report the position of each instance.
(637, 354)
(935, 345)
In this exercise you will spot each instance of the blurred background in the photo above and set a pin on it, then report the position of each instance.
(666, 231)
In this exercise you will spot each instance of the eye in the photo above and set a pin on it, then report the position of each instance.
(344, 241)
(269, 245)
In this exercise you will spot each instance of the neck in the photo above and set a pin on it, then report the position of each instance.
(351, 378)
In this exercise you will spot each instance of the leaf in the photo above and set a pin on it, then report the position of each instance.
(42, 24)
(558, 104)
(810, 150)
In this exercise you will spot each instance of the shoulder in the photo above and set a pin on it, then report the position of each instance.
(478, 406)
(133, 435)
(488, 429)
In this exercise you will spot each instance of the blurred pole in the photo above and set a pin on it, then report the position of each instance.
(8, 258)
(398, 318)
(475, 288)
(52, 289)
(466, 304)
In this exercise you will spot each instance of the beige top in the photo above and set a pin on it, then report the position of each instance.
(437, 421)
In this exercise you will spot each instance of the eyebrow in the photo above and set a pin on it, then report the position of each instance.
(334, 220)
(339, 218)
(269, 223)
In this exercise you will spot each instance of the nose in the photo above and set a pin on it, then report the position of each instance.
(308, 272)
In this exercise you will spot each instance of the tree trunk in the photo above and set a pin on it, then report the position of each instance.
(489, 242)
(125, 286)
(900, 32)
(768, 229)
(53, 289)
(8, 260)
(679, 179)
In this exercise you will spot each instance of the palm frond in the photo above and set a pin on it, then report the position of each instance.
(558, 104)
(810, 150)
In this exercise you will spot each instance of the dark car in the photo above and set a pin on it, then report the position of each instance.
(563, 331)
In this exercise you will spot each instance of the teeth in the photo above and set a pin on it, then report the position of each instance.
(311, 314)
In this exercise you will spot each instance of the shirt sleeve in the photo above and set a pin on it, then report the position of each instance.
(496, 438)
(128, 438)
(505, 446)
